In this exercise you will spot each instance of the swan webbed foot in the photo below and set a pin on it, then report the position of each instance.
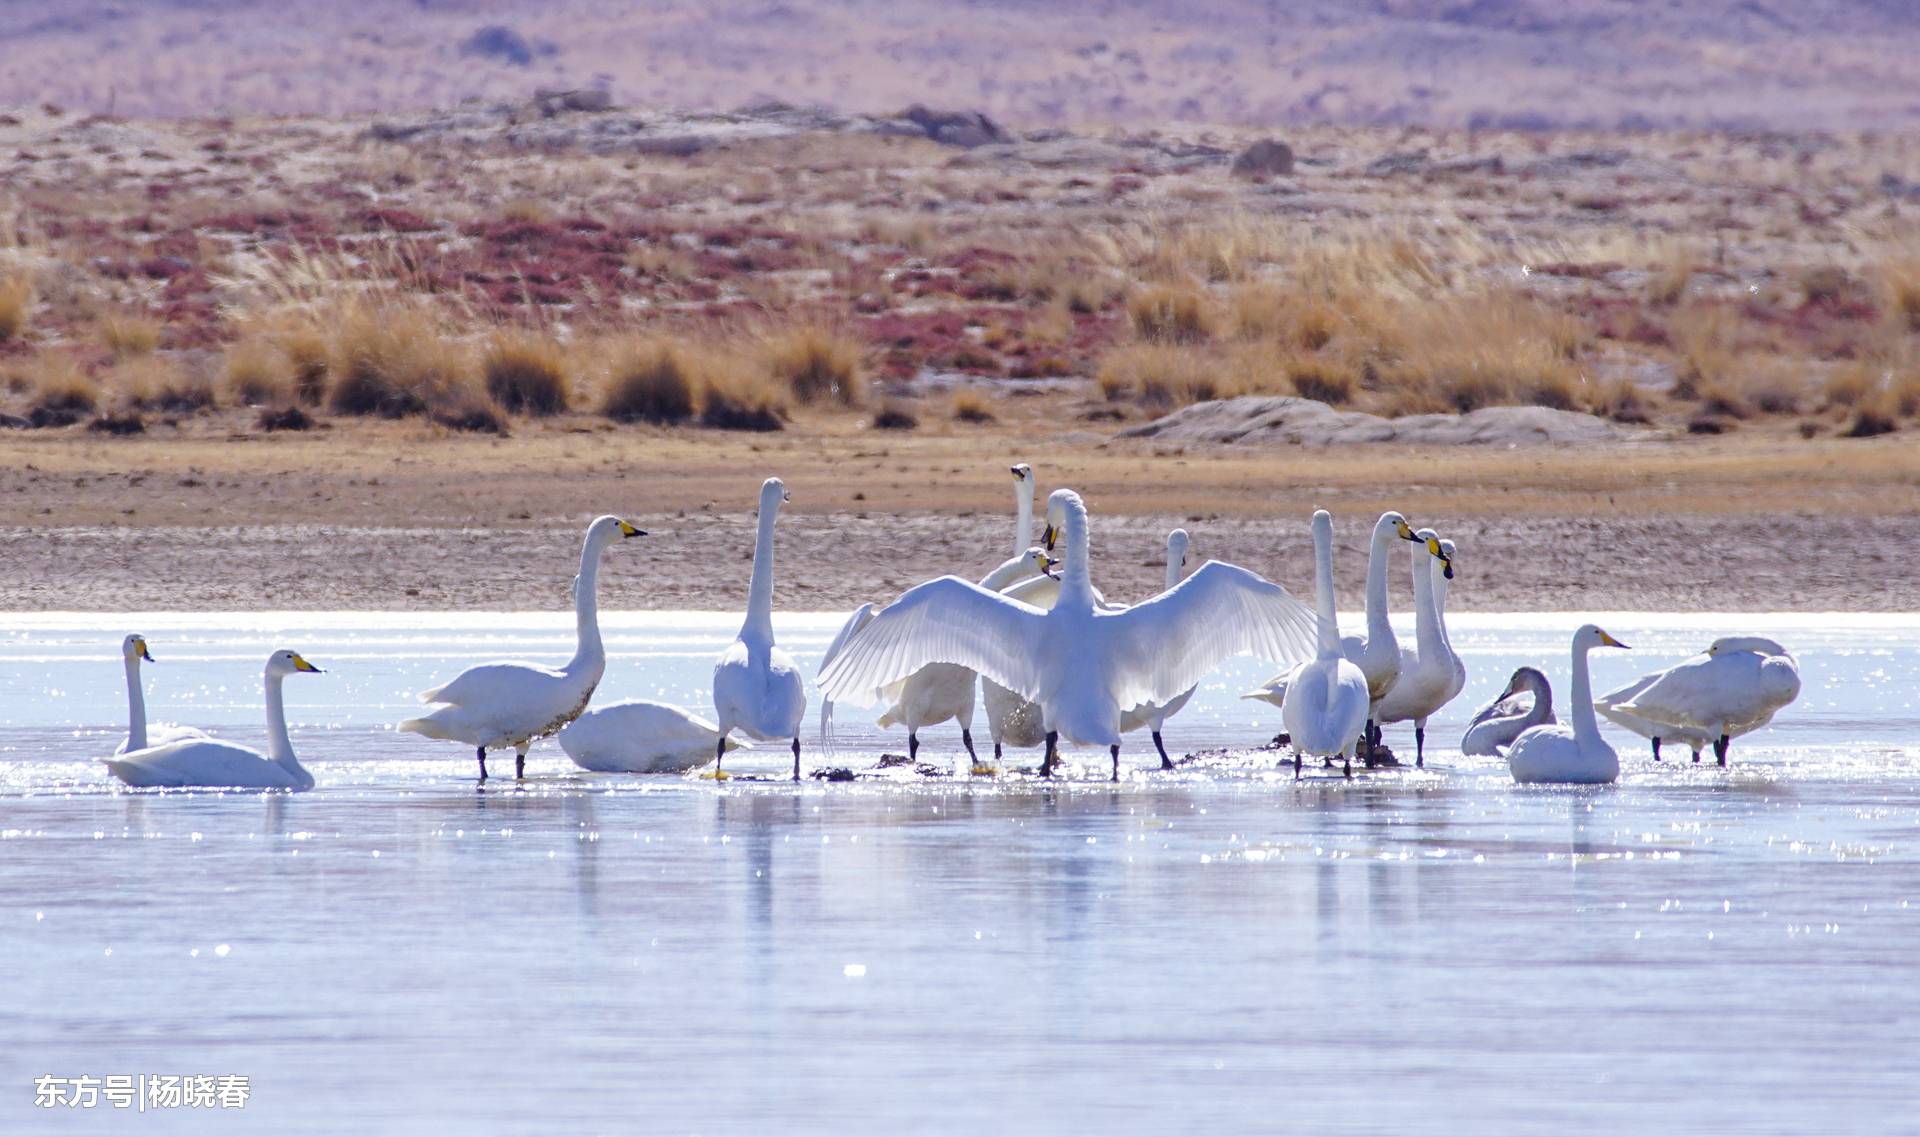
(796, 759)
(481, 753)
(1166, 763)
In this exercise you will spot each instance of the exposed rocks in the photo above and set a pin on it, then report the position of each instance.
(1284, 419)
(1264, 159)
(587, 100)
(965, 129)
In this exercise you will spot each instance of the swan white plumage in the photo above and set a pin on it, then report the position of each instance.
(1575, 753)
(757, 689)
(640, 736)
(140, 736)
(1736, 686)
(1327, 697)
(497, 705)
(211, 763)
(1011, 720)
(1442, 572)
(1611, 705)
(1022, 507)
(1426, 673)
(1082, 666)
(1526, 702)
(1377, 653)
(1155, 715)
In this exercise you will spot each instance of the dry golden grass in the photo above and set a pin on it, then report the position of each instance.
(1171, 314)
(129, 335)
(971, 405)
(528, 373)
(16, 303)
(813, 362)
(732, 401)
(894, 415)
(396, 360)
(159, 383)
(650, 381)
(59, 389)
(1159, 375)
(257, 371)
(1897, 285)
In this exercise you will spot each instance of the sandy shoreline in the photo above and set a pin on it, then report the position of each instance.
(834, 561)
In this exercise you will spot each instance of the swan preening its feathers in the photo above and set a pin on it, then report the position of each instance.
(1083, 667)
(213, 764)
(1526, 702)
(1734, 687)
(497, 705)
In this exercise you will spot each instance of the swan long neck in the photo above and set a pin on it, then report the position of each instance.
(1425, 621)
(1542, 699)
(1022, 515)
(588, 650)
(1328, 625)
(1437, 582)
(759, 621)
(1580, 699)
(1076, 580)
(1379, 627)
(279, 746)
(136, 706)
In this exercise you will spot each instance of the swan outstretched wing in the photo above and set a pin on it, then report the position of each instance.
(855, 622)
(1163, 646)
(948, 620)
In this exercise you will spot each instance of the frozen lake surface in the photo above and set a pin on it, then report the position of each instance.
(1215, 950)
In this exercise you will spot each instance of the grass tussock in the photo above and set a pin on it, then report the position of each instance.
(733, 404)
(1160, 376)
(397, 362)
(894, 415)
(159, 383)
(16, 305)
(1897, 289)
(1170, 314)
(527, 373)
(129, 335)
(59, 391)
(972, 406)
(813, 363)
(650, 381)
(257, 371)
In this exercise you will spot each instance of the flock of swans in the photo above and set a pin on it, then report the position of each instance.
(1052, 659)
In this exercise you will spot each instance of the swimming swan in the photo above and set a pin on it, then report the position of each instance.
(639, 736)
(1572, 754)
(1155, 715)
(1082, 666)
(497, 705)
(1526, 702)
(133, 649)
(1735, 687)
(1327, 697)
(1426, 674)
(757, 690)
(215, 764)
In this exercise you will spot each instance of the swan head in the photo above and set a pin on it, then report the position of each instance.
(1590, 636)
(1022, 472)
(1322, 526)
(1392, 521)
(1524, 679)
(773, 492)
(1177, 545)
(284, 662)
(1060, 503)
(1446, 556)
(1727, 645)
(608, 527)
(1038, 560)
(135, 647)
(1436, 551)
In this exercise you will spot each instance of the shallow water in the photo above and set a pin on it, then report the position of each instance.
(1219, 949)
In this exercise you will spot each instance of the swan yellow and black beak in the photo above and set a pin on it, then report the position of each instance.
(300, 664)
(1052, 564)
(1021, 472)
(1405, 530)
(1049, 535)
(628, 530)
(1608, 641)
(141, 643)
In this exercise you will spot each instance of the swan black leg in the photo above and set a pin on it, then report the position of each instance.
(1696, 755)
(1420, 747)
(913, 746)
(481, 753)
(1166, 763)
(1052, 755)
(719, 751)
(796, 759)
(1116, 761)
(996, 753)
(966, 740)
(1346, 764)
(1720, 747)
(1296, 765)
(519, 764)
(1656, 748)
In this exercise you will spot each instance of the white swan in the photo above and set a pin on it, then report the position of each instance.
(1327, 697)
(1155, 715)
(1573, 754)
(757, 690)
(1735, 687)
(1377, 653)
(1022, 507)
(497, 705)
(1441, 576)
(133, 649)
(1012, 720)
(214, 764)
(639, 736)
(1426, 674)
(1083, 666)
(1612, 704)
(1527, 702)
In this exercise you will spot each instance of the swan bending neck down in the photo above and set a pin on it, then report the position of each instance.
(496, 705)
(1327, 698)
(1083, 667)
(1734, 687)
(757, 689)
(215, 764)
(133, 649)
(1574, 754)
(1526, 702)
